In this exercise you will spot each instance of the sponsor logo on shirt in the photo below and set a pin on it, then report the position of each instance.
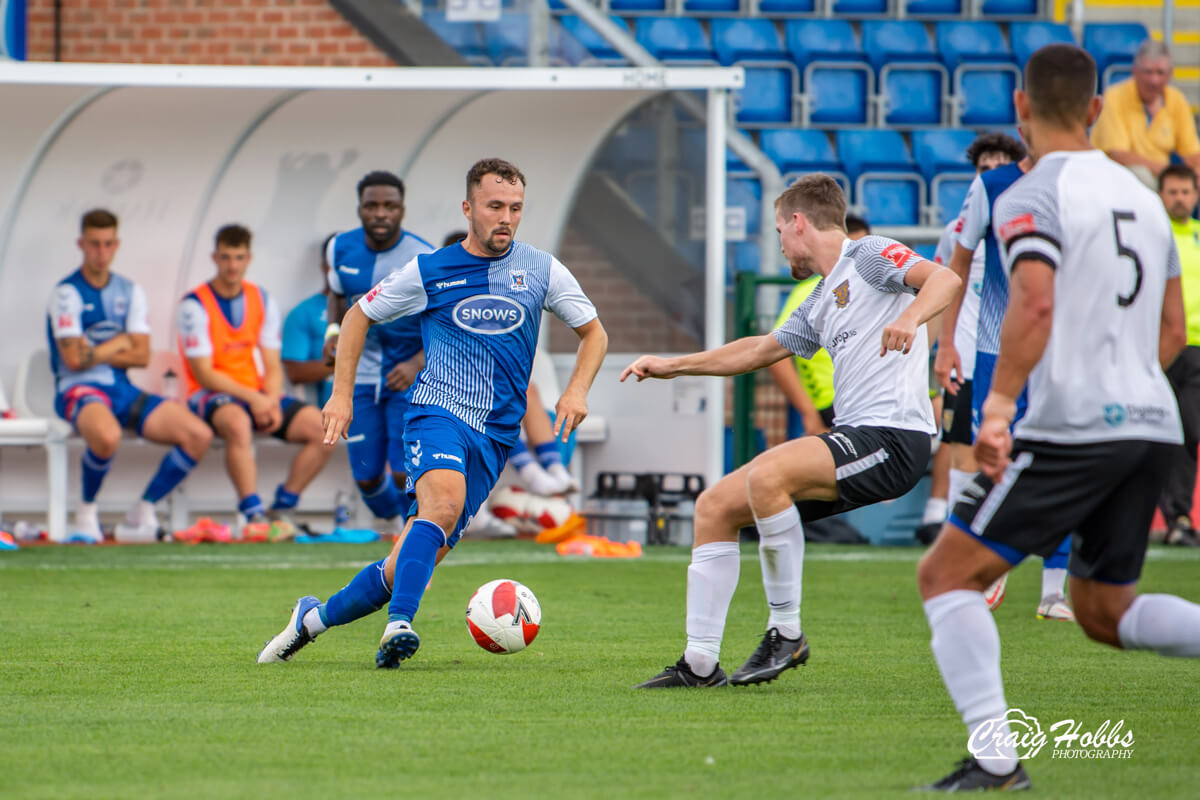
(371, 295)
(1017, 225)
(841, 294)
(1116, 414)
(898, 254)
(449, 284)
(64, 320)
(348, 270)
(489, 314)
(841, 338)
(447, 457)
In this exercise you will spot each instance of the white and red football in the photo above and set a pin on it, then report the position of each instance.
(503, 616)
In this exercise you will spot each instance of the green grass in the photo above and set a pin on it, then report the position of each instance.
(129, 672)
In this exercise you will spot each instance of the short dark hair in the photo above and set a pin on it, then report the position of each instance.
(855, 223)
(995, 143)
(1060, 82)
(454, 237)
(233, 235)
(380, 177)
(98, 218)
(1177, 171)
(819, 198)
(492, 166)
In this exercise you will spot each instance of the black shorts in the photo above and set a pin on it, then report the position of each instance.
(1105, 492)
(873, 464)
(956, 416)
(205, 403)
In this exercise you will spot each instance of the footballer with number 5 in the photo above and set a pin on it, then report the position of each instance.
(480, 306)
(865, 314)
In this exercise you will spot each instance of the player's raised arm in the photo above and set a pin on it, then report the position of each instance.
(737, 357)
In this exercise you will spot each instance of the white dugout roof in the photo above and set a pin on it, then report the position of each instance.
(177, 151)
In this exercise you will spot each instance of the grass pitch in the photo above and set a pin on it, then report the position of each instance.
(130, 672)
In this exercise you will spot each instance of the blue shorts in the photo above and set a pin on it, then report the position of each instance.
(204, 403)
(435, 439)
(981, 384)
(129, 404)
(376, 433)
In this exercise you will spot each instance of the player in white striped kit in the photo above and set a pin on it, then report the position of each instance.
(862, 311)
(1095, 313)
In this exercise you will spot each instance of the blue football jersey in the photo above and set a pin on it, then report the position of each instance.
(354, 269)
(479, 323)
(78, 309)
(993, 299)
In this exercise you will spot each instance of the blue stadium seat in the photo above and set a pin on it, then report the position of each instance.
(858, 8)
(942, 151)
(674, 39)
(973, 42)
(772, 8)
(913, 96)
(597, 45)
(767, 97)
(986, 98)
(1115, 74)
(746, 40)
(949, 192)
(1113, 42)
(873, 151)
(1010, 8)
(835, 96)
(744, 256)
(891, 201)
(746, 192)
(694, 151)
(795, 150)
(465, 37)
(811, 40)
(707, 7)
(637, 6)
(887, 41)
(508, 42)
(1028, 37)
(933, 8)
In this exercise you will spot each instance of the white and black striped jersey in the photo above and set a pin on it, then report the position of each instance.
(846, 314)
(1109, 241)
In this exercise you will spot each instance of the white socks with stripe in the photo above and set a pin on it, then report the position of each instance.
(712, 579)
(781, 554)
(966, 647)
(1164, 623)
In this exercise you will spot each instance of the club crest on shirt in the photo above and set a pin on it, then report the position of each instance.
(841, 294)
(518, 281)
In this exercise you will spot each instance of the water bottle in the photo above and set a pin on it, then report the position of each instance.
(343, 509)
(170, 384)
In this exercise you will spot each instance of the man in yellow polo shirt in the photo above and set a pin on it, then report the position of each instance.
(1178, 189)
(1144, 120)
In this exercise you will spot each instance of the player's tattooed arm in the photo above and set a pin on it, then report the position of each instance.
(79, 354)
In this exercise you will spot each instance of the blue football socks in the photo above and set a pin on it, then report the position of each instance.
(548, 454)
(414, 567)
(174, 468)
(385, 500)
(250, 505)
(366, 593)
(284, 499)
(94, 470)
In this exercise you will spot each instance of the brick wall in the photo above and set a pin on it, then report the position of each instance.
(634, 323)
(272, 32)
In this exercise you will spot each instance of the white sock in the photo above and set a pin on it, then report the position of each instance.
(712, 579)
(966, 647)
(559, 473)
(1054, 581)
(1164, 623)
(313, 623)
(538, 481)
(781, 554)
(958, 479)
(935, 511)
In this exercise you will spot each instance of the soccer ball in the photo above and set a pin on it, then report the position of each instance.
(548, 512)
(510, 503)
(503, 616)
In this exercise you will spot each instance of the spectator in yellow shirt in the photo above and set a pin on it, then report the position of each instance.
(1144, 120)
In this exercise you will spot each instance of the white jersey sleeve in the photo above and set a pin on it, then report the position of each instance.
(797, 333)
(974, 216)
(883, 263)
(192, 322)
(270, 336)
(400, 294)
(331, 275)
(945, 245)
(65, 311)
(137, 320)
(1174, 266)
(565, 299)
(1028, 225)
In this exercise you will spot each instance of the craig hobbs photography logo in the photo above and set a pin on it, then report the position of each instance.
(1067, 738)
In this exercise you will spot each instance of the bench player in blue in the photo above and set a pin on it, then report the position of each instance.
(976, 227)
(480, 305)
(97, 325)
(392, 354)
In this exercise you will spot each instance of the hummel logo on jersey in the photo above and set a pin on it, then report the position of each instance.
(416, 453)
(88, 307)
(447, 457)
(449, 284)
(841, 294)
(348, 270)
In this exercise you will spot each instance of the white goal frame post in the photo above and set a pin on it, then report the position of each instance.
(177, 151)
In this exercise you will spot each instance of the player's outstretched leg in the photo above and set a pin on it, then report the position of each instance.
(294, 636)
(680, 674)
(414, 567)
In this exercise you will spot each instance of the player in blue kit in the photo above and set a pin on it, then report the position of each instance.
(993, 300)
(479, 304)
(392, 354)
(98, 328)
